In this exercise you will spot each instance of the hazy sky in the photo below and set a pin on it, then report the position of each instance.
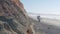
(42, 6)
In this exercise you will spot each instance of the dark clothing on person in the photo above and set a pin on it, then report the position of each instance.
(38, 17)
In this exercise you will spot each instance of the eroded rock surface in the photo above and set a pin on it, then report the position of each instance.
(13, 18)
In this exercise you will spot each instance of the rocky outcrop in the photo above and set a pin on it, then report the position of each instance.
(20, 5)
(13, 18)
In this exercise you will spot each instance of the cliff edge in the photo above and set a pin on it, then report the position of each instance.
(13, 17)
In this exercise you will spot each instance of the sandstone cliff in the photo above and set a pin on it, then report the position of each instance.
(13, 18)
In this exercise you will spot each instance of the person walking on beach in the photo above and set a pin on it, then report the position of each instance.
(38, 17)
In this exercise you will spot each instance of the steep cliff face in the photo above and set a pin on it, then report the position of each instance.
(20, 5)
(13, 18)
